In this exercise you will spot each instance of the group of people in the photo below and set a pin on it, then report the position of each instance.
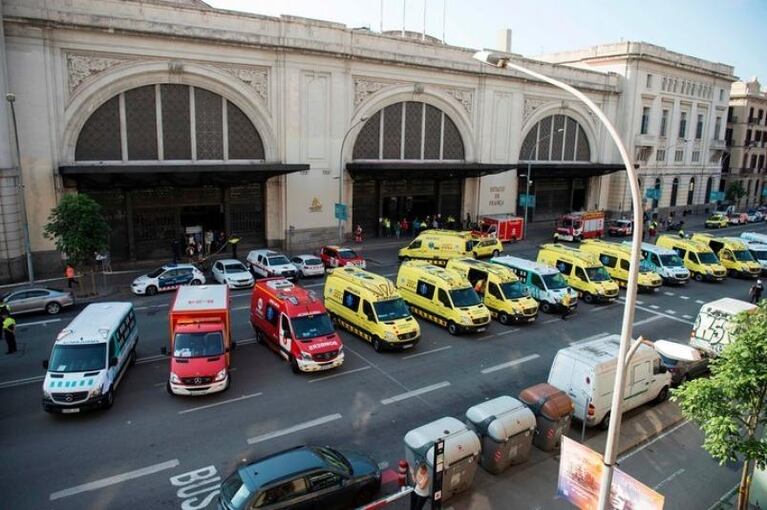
(8, 327)
(198, 246)
(654, 225)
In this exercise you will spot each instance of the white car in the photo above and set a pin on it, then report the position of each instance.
(308, 265)
(233, 274)
(268, 263)
(167, 277)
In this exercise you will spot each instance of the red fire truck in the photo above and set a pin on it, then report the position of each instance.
(294, 323)
(580, 225)
(505, 227)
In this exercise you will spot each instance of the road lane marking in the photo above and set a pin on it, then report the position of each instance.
(347, 372)
(38, 323)
(112, 480)
(246, 307)
(639, 302)
(687, 316)
(295, 428)
(653, 441)
(216, 404)
(510, 364)
(508, 332)
(649, 319)
(21, 382)
(684, 297)
(671, 312)
(589, 338)
(655, 312)
(654, 307)
(424, 353)
(486, 337)
(556, 319)
(669, 478)
(669, 294)
(699, 301)
(151, 359)
(414, 393)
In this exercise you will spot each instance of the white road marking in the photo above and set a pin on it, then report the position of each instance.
(684, 297)
(313, 285)
(654, 307)
(699, 301)
(663, 315)
(486, 337)
(510, 364)
(347, 372)
(639, 302)
(654, 440)
(424, 353)
(151, 359)
(414, 393)
(112, 480)
(671, 312)
(551, 320)
(589, 338)
(669, 478)
(37, 323)
(508, 332)
(216, 404)
(669, 294)
(246, 307)
(21, 382)
(649, 319)
(295, 428)
(687, 316)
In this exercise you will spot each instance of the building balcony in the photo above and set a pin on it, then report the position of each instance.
(644, 139)
(718, 144)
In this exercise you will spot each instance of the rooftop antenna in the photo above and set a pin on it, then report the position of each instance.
(404, 9)
(443, 20)
(423, 32)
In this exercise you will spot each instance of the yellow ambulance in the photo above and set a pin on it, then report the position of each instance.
(500, 290)
(616, 259)
(733, 254)
(582, 271)
(438, 246)
(369, 306)
(697, 257)
(442, 296)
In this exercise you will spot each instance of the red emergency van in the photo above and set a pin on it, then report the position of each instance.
(294, 323)
(505, 227)
(580, 225)
(200, 340)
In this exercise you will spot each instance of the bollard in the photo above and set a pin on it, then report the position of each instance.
(402, 476)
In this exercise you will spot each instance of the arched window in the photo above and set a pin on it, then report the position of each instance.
(409, 130)
(674, 190)
(556, 138)
(691, 191)
(657, 193)
(709, 183)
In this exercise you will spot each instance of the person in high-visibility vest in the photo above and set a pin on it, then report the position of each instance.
(233, 240)
(9, 332)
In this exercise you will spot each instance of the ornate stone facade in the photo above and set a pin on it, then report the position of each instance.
(255, 77)
(81, 66)
(365, 87)
(463, 96)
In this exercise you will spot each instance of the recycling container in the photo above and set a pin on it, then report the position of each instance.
(553, 411)
(505, 427)
(462, 450)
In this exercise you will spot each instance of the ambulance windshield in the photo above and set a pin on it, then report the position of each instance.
(514, 290)
(347, 254)
(312, 326)
(279, 260)
(198, 345)
(391, 310)
(464, 297)
(78, 358)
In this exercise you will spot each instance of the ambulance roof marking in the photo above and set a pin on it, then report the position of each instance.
(94, 324)
(524, 264)
(588, 258)
(654, 248)
(498, 270)
(377, 284)
(697, 245)
(450, 277)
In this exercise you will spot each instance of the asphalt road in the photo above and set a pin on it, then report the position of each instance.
(155, 451)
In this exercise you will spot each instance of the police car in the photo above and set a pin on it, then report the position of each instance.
(167, 277)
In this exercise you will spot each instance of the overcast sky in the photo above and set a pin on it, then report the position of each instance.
(728, 31)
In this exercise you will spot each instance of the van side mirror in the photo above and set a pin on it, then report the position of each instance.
(164, 351)
(45, 364)
(113, 361)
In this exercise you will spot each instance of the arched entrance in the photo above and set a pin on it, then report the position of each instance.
(169, 160)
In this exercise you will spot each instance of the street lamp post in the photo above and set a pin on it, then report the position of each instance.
(527, 177)
(11, 98)
(341, 176)
(611, 448)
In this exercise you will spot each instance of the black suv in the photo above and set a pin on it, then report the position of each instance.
(305, 477)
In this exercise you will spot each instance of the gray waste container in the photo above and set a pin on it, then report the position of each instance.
(462, 449)
(553, 411)
(505, 427)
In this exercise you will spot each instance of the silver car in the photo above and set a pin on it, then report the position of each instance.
(308, 265)
(37, 299)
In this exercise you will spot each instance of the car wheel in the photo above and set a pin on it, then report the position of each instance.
(605, 423)
(698, 277)
(452, 328)
(109, 399)
(167, 388)
(151, 290)
(294, 365)
(259, 336)
(496, 253)
(53, 308)
(132, 360)
(195, 282)
(588, 297)
(228, 382)
(662, 395)
(504, 318)
(545, 307)
(377, 345)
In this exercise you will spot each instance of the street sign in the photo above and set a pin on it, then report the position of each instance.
(437, 474)
(652, 193)
(341, 212)
(526, 200)
(719, 195)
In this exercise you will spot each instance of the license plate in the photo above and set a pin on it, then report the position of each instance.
(531, 319)
(407, 346)
(480, 330)
(71, 411)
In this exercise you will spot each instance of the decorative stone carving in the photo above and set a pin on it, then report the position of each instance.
(81, 66)
(532, 104)
(254, 76)
(463, 96)
(364, 87)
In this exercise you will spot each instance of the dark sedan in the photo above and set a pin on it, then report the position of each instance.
(38, 299)
(305, 477)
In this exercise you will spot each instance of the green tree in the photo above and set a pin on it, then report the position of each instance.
(729, 406)
(735, 191)
(78, 228)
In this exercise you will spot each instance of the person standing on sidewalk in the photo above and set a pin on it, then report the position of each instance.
(756, 291)
(422, 487)
(358, 234)
(9, 332)
(69, 272)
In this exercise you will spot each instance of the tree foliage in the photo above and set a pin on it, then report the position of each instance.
(78, 228)
(735, 191)
(729, 406)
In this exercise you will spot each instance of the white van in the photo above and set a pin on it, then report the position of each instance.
(586, 372)
(545, 283)
(759, 252)
(714, 323)
(754, 237)
(665, 262)
(89, 358)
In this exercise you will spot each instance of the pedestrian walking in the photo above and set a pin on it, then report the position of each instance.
(566, 300)
(234, 240)
(422, 487)
(404, 226)
(69, 272)
(9, 332)
(358, 234)
(397, 229)
(756, 291)
(208, 241)
(175, 247)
